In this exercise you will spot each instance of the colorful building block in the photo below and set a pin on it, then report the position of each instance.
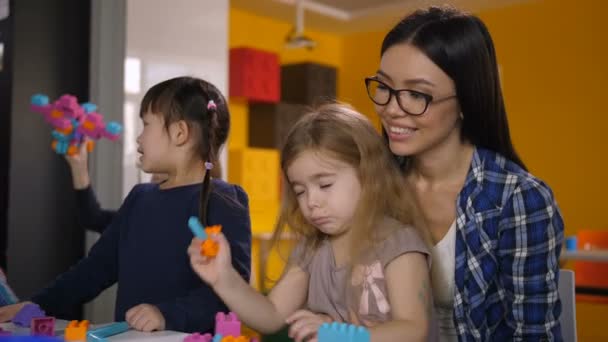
(209, 247)
(263, 215)
(227, 324)
(255, 75)
(24, 317)
(76, 331)
(43, 326)
(342, 332)
(102, 334)
(4, 333)
(308, 83)
(239, 123)
(235, 339)
(257, 171)
(269, 123)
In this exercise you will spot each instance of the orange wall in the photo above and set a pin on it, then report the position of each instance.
(553, 61)
(553, 66)
(361, 58)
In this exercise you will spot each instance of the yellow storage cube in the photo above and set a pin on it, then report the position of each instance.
(257, 171)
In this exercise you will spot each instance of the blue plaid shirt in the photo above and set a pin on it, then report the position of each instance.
(509, 237)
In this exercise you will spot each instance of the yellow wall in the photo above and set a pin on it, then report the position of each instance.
(247, 29)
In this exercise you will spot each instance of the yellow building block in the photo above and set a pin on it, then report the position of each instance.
(239, 124)
(257, 171)
(263, 215)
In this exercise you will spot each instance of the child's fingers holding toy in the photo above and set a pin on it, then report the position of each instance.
(212, 269)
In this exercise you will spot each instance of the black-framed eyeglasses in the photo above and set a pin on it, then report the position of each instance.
(410, 101)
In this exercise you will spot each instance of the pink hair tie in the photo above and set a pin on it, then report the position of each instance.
(208, 165)
(211, 105)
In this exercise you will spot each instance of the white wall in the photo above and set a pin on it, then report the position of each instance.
(165, 40)
(160, 40)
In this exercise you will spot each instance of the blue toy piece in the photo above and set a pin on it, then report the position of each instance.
(197, 228)
(217, 338)
(114, 128)
(89, 107)
(40, 100)
(342, 332)
(101, 334)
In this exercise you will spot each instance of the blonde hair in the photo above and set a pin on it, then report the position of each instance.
(338, 131)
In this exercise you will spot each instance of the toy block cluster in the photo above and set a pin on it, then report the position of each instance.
(41, 326)
(227, 329)
(72, 122)
(209, 247)
(342, 332)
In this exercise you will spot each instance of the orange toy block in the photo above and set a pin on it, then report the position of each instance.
(77, 331)
(90, 146)
(209, 247)
(72, 150)
(235, 339)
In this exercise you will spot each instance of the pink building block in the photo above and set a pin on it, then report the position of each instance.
(197, 337)
(43, 326)
(227, 324)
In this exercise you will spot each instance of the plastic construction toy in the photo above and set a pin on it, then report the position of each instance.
(102, 334)
(209, 247)
(24, 317)
(227, 329)
(43, 326)
(227, 324)
(5, 333)
(342, 332)
(76, 331)
(72, 122)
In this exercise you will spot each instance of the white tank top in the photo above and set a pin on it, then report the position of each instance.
(442, 279)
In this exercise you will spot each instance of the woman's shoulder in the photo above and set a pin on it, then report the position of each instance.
(502, 178)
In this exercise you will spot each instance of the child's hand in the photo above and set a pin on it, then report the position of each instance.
(305, 324)
(145, 317)
(79, 167)
(214, 271)
(8, 312)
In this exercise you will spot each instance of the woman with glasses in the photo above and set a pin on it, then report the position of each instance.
(496, 230)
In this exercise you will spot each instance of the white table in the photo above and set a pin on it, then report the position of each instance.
(131, 335)
(583, 255)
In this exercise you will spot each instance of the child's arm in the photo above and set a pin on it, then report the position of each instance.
(89, 212)
(409, 294)
(261, 313)
(85, 280)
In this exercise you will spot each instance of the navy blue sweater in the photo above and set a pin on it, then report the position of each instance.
(145, 251)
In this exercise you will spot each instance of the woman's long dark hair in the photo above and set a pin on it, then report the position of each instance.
(460, 44)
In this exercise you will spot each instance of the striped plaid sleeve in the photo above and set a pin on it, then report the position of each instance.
(531, 236)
